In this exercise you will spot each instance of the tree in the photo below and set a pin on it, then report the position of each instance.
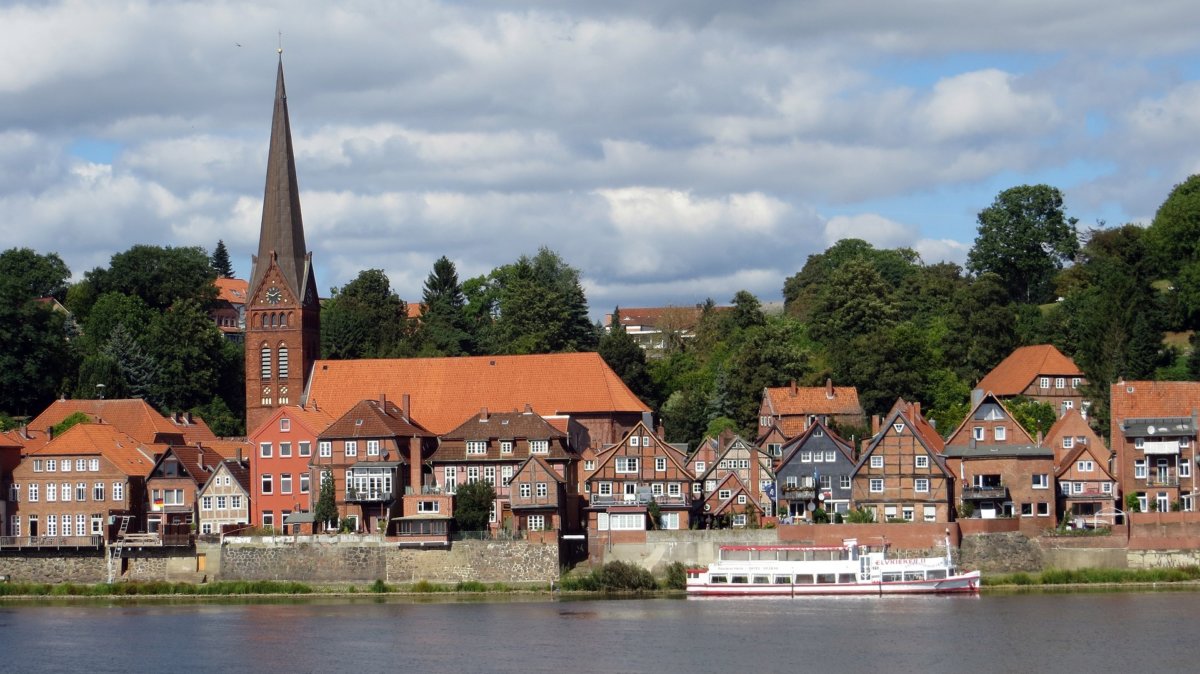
(27, 275)
(981, 327)
(884, 365)
(364, 319)
(1035, 417)
(767, 356)
(541, 307)
(445, 328)
(1174, 234)
(473, 506)
(159, 276)
(747, 311)
(856, 301)
(189, 351)
(138, 369)
(326, 511)
(1025, 238)
(220, 261)
(628, 360)
(74, 419)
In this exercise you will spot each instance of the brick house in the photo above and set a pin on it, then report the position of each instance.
(901, 474)
(794, 408)
(490, 447)
(638, 468)
(377, 454)
(1154, 436)
(132, 416)
(229, 311)
(225, 498)
(816, 471)
(752, 466)
(771, 441)
(1001, 470)
(1087, 490)
(732, 501)
(1041, 373)
(282, 446)
(538, 499)
(704, 456)
(172, 485)
(68, 490)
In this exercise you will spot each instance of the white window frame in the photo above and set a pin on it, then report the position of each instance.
(1043, 382)
(660, 464)
(325, 449)
(264, 450)
(626, 465)
(539, 446)
(350, 448)
(876, 485)
(921, 461)
(1000, 433)
(877, 461)
(1040, 481)
(921, 485)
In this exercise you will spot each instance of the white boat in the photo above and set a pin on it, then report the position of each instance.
(791, 571)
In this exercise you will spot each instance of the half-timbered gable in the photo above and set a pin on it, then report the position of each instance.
(901, 475)
(225, 499)
(538, 497)
(748, 462)
(635, 470)
(733, 503)
(815, 472)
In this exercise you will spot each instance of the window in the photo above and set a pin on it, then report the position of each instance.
(221, 503)
(1068, 442)
(372, 448)
(673, 489)
(65, 466)
(906, 513)
(889, 512)
(805, 457)
(921, 485)
(325, 448)
(1000, 433)
(94, 465)
(489, 475)
(285, 483)
(1139, 469)
(826, 482)
(285, 424)
(118, 491)
(472, 474)
(1043, 382)
(539, 446)
(264, 450)
(98, 491)
(930, 513)
(669, 521)
(1043, 509)
(604, 489)
(589, 465)
(451, 473)
(37, 465)
(1106, 487)
(97, 523)
(80, 465)
(977, 432)
(844, 482)
(476, 447)
(1075, 382)
(51, 492)
(235, 501)
(305, 448)
(526, 490)
(506, 475)
(14, 492)
(541, 490)
(1060, 382)
(506, 446)
(1139, 443)
(51, 525)
(876, 461)
(634, 441)
(739, 520)
(264, 357)
(51, 465)
(429, 506)
(741, 499)
(268, 519)
(764, 421)
(283, 358)
(697, 489)
(876, 485)
(830, 457)
(1041, 481)
(206, 503)
(660, 464)
(699, 467)
(14, 525)
(66, 491)
(775, 449)
(265, 484)
(1026, 510)
(206, 528)
(1185, 468)
(1085, 466)
(626, 464)
(921, 462)
(724, 494)
(645, 440)
(33, 492)
(351, 448)
(285, 450)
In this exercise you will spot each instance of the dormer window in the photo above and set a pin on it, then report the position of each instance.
(476, 447)
(898, 427)
(539, 446)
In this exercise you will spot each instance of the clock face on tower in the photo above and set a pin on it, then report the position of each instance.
(274, 296)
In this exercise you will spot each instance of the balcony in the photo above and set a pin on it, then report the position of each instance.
(630, 499)
(369, 496)
(1090, 492)
(798, 493)
(1167, 479)
(35, 542)
(985, 493)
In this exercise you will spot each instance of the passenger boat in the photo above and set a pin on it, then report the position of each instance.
(790, 571)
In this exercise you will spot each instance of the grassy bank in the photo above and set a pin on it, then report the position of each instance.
(152, 588)
(1051, 577)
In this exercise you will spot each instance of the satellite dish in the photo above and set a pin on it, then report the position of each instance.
(1151, 430)
(821, 496)
(811, 506)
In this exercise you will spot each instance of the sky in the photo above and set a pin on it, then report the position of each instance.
(671, 151)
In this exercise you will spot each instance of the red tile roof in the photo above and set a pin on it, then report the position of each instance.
(504, 426)
(1016, 372)
(232, 290)
(1073, 424)
(132, 416)
(314, 419)
(373, 419)
(1154, 399)
(802, 400)
(105, 440)
(649, 317)
(444, 391)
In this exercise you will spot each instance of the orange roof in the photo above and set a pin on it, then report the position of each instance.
(132, 416)
(1154, 399)
(227, 449)
(232, 290)
(105, 440)
(315, 420)
(802, 400)
(444, 391)
(373, 419)
(1014, 374)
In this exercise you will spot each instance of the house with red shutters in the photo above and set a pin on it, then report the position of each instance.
(901, 474)
(1001, 471)
(792, 409)
(281, 448)
(631, 473)
(1040, 373)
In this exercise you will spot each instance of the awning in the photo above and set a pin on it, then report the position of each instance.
(1161, 447)
(299, 517)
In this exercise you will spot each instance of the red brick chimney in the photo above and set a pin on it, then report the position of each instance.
(414, 464)
(383, 401)
(829, 388)
(874, 425)
(795, 389)
(483, 414)
(405, 404)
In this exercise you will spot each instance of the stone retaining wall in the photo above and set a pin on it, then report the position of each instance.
(54, 566)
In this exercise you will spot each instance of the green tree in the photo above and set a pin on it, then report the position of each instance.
(982, 327)
(138, 369)
(1025, 237)
(802, 291)
(28, 275)
(223, 421)
(73, 419)
(364, 319)
(36, 361)
(188, 348)
(884, 365)
(541, 307)
(1035, 417)
(326, 511)
(628, 360)
(220, 261)
(655, 513)
(445, 328)
(1174, 234)
(747, 311)
(159, 276)
(856, 301)
(473, 505)
(766, 356)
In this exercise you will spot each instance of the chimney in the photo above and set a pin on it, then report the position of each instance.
(916, 409)
(414, 464)
(175, 417)
(528, 408)
(795, 389)
(383, 401)
(405, 404)
(483, 414)
(1040, 438)
(189, 417)
(49, 432)
(829, 388)
(25, 431)
(239, 454)
(874, 425)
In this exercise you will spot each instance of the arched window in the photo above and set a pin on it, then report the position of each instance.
(266, 362)
(283, 320)
(264, 320)
(283, 361)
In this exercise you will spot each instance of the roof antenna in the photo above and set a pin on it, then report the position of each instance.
(279, 50)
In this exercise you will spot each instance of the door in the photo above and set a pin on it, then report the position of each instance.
(1161, 470)
(630, 491)
(987, 510)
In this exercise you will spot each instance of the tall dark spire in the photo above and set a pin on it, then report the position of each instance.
(282, 229)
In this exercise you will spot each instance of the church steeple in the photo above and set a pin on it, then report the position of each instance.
(282, 230)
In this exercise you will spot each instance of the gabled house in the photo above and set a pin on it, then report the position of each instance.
(794, 408)
(901, 474)
(751, 465)
(704, 456)
(639, 468)
(282, 447)
(225, 498)
(733, 502)
(1087, 489)
(491, 446)
(1001, 471)
(657, 329)
(67, 491)
(229, 311)
(376, 453)
(816, 472)
(1154, 434)
(538, 499)
(1041, 373)
(771, 441)
(172, 484)
(132, 416)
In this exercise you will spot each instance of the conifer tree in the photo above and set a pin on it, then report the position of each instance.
(326, 511)
(220, 261)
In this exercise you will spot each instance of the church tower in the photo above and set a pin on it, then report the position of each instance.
(283, 330)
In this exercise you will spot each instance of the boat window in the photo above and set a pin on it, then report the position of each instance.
(736, 555)
(823, 578)
(845, 577)
(718, 579)
(739, 579)
(783, 580)
(914, 575)
(893, 577)
(935, 573)
(762, 580)
(804, 579)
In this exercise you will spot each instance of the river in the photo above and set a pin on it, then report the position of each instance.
(1068, 633)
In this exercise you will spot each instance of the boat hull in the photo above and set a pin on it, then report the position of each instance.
(960, 584)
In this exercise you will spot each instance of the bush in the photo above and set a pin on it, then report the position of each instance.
(861, 516)
(676, 577)
(612, 577)
(470, 586)
(380, 587)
